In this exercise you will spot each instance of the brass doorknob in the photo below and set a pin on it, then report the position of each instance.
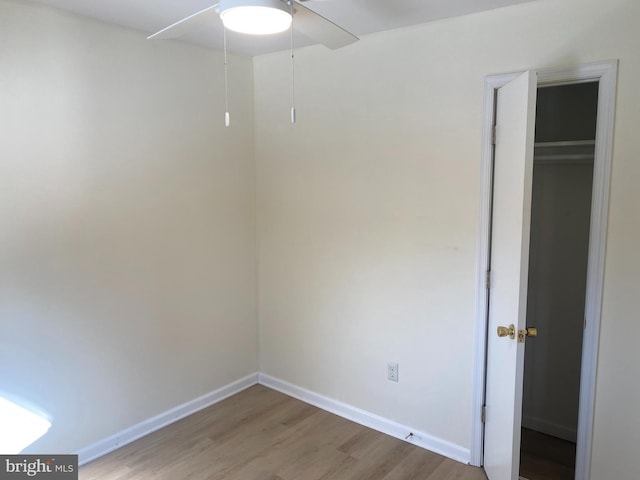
(507, 331)
(527, 332)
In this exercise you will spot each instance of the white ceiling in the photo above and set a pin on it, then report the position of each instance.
(360, 17)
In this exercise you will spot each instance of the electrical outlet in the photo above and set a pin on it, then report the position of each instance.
(392, 371)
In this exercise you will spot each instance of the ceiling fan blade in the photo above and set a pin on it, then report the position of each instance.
(321, 29)
(185, 25)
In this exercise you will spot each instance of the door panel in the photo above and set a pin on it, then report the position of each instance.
(511, 215)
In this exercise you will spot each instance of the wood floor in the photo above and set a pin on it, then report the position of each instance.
(260, 434)
(543, 457)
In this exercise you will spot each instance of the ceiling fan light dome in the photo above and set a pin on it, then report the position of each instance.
(255, 17)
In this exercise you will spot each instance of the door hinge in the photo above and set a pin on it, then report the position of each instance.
(483, 414)
(494, 134)
(488, 279)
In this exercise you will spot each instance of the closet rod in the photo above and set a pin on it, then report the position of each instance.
(570, 143)
(587, 158)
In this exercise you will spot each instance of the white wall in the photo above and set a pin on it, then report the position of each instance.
(367, 213)
(127, 224)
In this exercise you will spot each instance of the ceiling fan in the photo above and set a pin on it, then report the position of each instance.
(261, 17)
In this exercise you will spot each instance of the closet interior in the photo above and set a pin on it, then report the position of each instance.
(565, 141)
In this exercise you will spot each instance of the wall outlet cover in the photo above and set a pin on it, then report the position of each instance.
(392, 371)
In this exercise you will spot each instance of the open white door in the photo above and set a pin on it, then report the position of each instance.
(511, 216)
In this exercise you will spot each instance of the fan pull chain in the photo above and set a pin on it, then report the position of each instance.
(227, 117)
(293, 71)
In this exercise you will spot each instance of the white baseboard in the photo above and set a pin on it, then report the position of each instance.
(550, 428)
(368, 419)
(102, 447)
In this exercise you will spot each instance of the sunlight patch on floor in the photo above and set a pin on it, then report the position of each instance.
(20, 427)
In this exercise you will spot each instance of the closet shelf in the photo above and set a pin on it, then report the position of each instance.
(568, 143)
(567, 152)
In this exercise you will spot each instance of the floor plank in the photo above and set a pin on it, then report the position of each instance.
(261, 434)
(543, 457)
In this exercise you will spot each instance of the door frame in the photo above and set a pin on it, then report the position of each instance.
(606, 74)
